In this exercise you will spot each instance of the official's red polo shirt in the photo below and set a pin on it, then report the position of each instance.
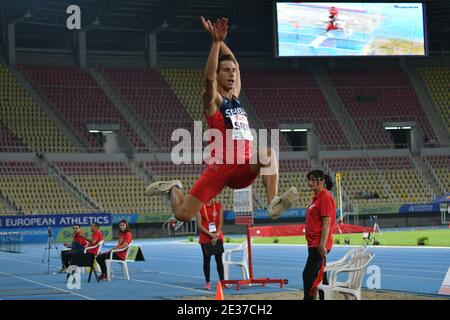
(124, 237)
(210, 214)
(97, 236)
(322, 205)
(79, 238)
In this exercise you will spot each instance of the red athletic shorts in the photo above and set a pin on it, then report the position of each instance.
(216, 177)
(331, 27)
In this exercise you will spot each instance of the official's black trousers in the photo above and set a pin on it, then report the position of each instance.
(66, 255)
(311, 271)
(207, 266)
(101, 260)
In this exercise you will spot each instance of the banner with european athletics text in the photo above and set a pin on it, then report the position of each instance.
(34, 228)
(408, 208)
(137, 218)
(292, 213)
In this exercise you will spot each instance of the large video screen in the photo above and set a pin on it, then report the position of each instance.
(349, 29)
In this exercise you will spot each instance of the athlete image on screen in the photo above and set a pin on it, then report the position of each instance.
(333, 13)
(332, 22)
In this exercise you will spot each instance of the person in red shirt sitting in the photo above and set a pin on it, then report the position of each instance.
(125, 239)
(320, 219)
(96, 237)
(76, 246)
(210, 223)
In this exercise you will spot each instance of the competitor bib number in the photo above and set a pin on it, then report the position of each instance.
(212, 227)
(241, 129)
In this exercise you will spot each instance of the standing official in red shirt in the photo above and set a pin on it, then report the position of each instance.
(320, 219)
(210, 223)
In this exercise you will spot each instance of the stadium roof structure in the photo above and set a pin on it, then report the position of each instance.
(123, 24)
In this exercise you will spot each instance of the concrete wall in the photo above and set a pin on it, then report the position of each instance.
(166, 157)
(435, 152)
(292, 155)
(47, 57)
(155, 157)
(117, 59)
(138, 59)
(100, 157)
(364, 153)
(10, 156)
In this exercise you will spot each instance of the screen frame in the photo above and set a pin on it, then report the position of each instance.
(276, 40)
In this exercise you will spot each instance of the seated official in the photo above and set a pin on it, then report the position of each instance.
(76, 246)
(96, 237)
(125, 239)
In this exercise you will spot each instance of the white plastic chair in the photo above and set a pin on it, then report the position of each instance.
(331, 266)
(356, 268)
(99, 246)
(243, 264)
(121, 262)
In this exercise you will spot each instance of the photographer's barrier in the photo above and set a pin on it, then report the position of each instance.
(34, 228)
(264, 215)
(11, 242)
(299, 230)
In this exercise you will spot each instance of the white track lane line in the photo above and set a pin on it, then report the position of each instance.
(46, 285)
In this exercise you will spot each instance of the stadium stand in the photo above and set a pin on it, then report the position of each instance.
(438, 80)
(33, 191)
(440, 165)
(297, 99)
(4, 209)
(380, 180)
(22, 123)
(9, 142)
(373, 97)
(145, 90)
(78, 99)
(112, 185)
(188, 85)
(295, 95)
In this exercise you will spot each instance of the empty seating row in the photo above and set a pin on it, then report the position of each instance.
(373, 97)
(297, 99)
(23, 123)
(438, 80)
(152, 100)
(380, 180)
(33, 191)
(79, 100)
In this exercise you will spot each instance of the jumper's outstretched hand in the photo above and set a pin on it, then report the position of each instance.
(221, 29)
(218, 30)
(208, 26)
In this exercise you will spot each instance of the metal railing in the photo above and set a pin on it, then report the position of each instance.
(11, 242)
(181, 228)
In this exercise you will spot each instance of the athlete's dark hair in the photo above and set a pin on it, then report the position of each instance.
(76, 225)
(96, 224)
(127, 228)
(225, 57)
(320, 175)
